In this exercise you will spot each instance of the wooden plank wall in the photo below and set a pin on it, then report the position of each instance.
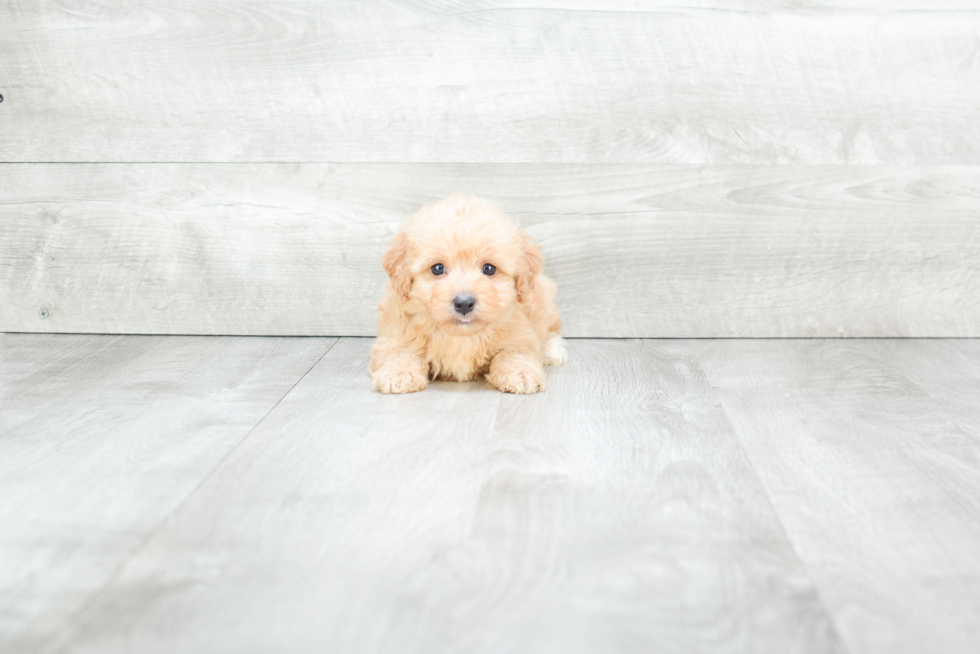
(692, 169)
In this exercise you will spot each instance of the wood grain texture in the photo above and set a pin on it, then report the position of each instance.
(637, 251)
(101, 439)
(877, 484)
(947, 370)
(864, 82)
(613, 513)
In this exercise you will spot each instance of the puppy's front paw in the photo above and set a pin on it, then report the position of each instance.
(517, 378)
(555, 353)
(390, 379)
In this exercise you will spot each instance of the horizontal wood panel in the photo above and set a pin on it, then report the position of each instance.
(473, 81)
(637, 251)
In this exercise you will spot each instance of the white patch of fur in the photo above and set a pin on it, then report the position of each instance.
(555, 353)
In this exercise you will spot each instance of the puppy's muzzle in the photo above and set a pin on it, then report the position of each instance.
(464, 304)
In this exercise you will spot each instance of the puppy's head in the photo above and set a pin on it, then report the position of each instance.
(463, 262)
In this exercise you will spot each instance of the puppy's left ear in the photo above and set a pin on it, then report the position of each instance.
(395, 263)
(532, 263)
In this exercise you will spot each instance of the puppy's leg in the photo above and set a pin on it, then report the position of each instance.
(555, 353)
(395, 370)
(514, 371)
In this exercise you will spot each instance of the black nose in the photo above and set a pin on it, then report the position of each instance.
(464, 303)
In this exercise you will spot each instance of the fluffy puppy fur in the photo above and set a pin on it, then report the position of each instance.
(466, 298)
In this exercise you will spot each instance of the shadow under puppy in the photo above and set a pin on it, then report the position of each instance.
(466, 297)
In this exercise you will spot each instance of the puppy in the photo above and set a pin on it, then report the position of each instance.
(466, 298)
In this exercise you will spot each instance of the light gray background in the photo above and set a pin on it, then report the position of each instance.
(693, 169)
(690, 168)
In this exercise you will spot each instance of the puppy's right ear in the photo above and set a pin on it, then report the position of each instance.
(395, 263)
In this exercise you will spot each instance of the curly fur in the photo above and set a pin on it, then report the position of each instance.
(514, 329)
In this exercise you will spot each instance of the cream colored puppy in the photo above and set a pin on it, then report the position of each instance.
(466, 298)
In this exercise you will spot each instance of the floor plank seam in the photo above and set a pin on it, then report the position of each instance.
(838, 637)
(73, 623)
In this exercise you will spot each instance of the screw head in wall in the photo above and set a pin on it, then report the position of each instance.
(42, 314)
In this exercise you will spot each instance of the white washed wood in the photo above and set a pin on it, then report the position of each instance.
(341, 484)
(101, 439)
(478, 81)
(613, 513)
(634, 518)
(879, 492)
(637, 251)
(948, 370)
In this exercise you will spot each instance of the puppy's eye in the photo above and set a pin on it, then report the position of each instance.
(489, 269)
(438, 269)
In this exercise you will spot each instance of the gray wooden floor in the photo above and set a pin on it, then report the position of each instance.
(241, 494)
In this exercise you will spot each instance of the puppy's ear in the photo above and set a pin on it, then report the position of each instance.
(395, 263)
(532, 264)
